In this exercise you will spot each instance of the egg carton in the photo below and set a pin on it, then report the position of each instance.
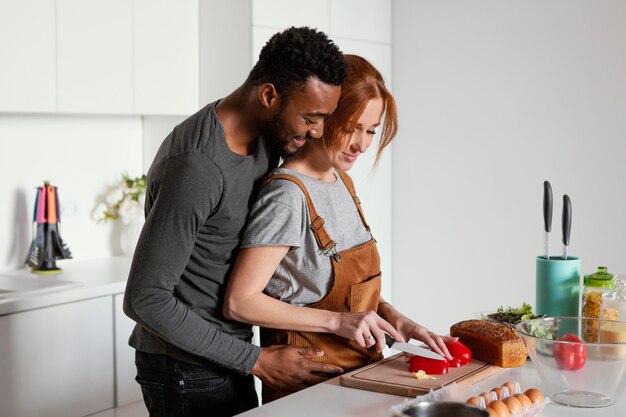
(460, 393)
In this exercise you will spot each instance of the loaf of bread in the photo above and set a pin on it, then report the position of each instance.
(491, 342)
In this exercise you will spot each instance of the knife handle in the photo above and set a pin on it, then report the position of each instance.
(389, 341)
(547, 206)
(566, 219)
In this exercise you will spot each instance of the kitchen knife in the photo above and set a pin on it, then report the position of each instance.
(547, 218)
(566, 223)
(412, 349)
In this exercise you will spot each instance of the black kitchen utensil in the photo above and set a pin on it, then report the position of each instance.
(566, 223)
(547, 218)
(36, 251)
(59, 248)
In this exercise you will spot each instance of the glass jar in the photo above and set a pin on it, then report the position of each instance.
(596, 285)
(614, 302)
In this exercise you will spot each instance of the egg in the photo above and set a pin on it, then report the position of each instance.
(534, 395)
(513, 405)
(500, 408)
(492, 412)
(524, 400)
(498, 392)
(473, 401)
(486, 396)
(510, 386)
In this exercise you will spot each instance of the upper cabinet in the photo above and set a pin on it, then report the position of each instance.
(94, 56)
(99, 56)
(166, 64)
(27, 56)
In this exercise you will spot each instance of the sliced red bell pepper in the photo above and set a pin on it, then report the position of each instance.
(428, 365)
(455, 363)
(459, 351)
(570, 356)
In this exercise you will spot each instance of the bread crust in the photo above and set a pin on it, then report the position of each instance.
(491, 342)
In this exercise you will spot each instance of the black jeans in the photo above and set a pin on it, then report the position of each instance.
(173, 388)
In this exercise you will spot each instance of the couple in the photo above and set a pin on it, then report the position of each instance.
(225, 245)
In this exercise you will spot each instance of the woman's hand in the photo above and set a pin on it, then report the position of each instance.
(411, 330)
(367, 329)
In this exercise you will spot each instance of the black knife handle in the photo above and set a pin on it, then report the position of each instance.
(566, 219)
(547, 206)
(389, 341)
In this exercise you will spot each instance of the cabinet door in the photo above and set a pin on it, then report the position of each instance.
(57, 361)
(95, 56)
(126, 389)
(27, 56)
(166, 57)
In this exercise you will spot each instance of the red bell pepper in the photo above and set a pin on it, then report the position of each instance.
(428, 365)
(570, 356)
(459, 351)
(455, 363)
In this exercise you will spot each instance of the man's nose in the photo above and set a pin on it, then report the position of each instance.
(316, 131)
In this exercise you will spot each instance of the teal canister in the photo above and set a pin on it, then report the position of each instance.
(557, 287)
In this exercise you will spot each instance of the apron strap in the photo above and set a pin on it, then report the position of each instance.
(317, 223)
(350, 186)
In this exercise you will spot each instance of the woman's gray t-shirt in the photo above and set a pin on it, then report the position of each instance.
(280, 217)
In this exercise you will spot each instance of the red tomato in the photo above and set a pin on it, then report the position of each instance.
(459, 351)
(570, 356)
(428, 365)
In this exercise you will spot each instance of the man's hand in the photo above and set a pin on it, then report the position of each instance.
(286, 367)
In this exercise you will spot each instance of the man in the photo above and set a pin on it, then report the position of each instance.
(201, 185)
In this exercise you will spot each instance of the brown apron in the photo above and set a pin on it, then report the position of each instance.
(356, 288)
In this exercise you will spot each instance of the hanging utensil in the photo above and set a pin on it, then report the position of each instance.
(36, 251)
(566, 223)
(547, 218)
(59, 248)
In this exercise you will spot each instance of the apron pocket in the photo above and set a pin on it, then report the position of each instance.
(364, 296)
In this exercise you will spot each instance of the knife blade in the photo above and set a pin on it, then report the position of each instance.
(412, 349)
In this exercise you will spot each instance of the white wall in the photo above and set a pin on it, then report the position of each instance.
(83, 156)
(495, 97)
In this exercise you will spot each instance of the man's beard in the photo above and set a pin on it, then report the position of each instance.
(278, 137)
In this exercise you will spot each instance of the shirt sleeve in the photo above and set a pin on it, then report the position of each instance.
(185, 191)
(278, 218)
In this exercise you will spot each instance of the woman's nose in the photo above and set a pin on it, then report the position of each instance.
(361, 142)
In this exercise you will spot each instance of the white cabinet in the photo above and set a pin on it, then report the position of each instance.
(126, 389)
(27, 56)
(94, 56)
(365, 20)
(285, 13)
(56, 361)
(166, 59)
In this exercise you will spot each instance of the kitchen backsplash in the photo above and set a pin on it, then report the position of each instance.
(83, 156)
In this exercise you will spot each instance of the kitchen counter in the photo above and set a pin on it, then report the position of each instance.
(330, 399)
(80, 280)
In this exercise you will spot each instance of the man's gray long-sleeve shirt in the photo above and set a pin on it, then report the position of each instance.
(197, 201)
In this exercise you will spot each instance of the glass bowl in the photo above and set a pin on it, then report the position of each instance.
(591, 373)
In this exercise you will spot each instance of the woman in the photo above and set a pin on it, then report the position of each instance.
(308, 271)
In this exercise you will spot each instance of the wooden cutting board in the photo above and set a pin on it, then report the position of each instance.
(392, 376)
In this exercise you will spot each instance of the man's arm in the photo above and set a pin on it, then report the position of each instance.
(186, 191)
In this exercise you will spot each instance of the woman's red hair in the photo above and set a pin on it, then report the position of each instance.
(363, 84)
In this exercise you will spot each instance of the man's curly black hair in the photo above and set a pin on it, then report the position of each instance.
(293, 56)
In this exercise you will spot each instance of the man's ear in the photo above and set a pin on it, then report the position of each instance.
(268, 96)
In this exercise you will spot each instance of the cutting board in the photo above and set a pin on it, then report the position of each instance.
(392, 376)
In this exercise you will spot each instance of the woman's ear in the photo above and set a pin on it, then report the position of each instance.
(268, 96)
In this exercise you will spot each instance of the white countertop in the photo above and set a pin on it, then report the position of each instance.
(80, 280)
(330, 399)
